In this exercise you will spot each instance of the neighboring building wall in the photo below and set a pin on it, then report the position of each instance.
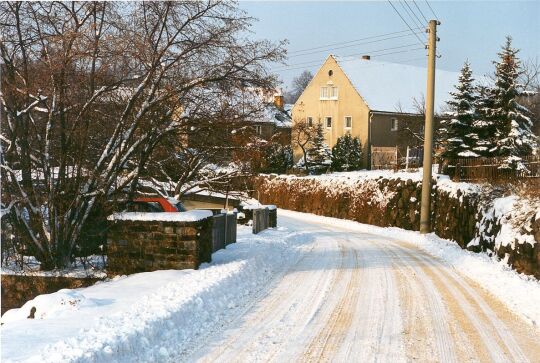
(195, 204)
(203, 201)
(383, 135)
(267, 129)
(348, 103)
(381, 130)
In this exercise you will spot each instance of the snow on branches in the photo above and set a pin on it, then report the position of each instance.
(487, 120)
(90, 89)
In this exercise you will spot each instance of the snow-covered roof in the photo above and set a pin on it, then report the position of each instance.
(272, 114)
(391, 87)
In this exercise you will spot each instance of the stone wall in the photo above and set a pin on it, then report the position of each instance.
(459, 210)
(18, 289)
(141, 246)
(381, 202)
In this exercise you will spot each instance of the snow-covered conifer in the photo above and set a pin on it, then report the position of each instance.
(484, 125)
(278, 158)
(514, 137)
(460, 136)
(319, 154)
(347, 153)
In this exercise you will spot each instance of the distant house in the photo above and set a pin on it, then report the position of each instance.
(275, 121)
(369, 99)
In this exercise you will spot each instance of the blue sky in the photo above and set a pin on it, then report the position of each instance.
(471, 30)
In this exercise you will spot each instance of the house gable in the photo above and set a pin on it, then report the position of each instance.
(346, 104)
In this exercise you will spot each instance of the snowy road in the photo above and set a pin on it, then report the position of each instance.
(360, 297)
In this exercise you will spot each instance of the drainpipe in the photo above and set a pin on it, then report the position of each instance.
(369, 140)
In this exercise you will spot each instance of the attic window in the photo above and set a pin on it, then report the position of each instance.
(330, 73)
(394, 124)
(329, 93)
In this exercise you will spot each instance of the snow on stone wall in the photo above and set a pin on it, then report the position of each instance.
(476, 217)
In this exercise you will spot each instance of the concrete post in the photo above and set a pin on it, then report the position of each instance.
(425, 211)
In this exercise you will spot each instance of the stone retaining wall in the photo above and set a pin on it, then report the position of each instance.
(18, 289)
(142, 246)
(458, 210)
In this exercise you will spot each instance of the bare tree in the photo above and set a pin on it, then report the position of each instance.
(411, 126)
(302, 136)
(216, 149)
(530, 80)
(299, 84)
(90, 89)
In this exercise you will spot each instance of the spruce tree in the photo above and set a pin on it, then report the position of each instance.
(278, 158)
(484, 125)
(514, 137)
(347, 153)
(460, 137)
(319, 155)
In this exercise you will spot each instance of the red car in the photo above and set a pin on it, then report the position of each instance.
(155, 204)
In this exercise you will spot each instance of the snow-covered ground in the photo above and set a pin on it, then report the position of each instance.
(140, 317)
(315, 288)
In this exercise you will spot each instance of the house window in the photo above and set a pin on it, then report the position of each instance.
(348, 122)
(310, 121)
(393, 124)
(258, 129)
(329, 93)
(328, 122)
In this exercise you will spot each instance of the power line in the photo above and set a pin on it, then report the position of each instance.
(408, 13)
(408, 60)
(348, 60)
(396, 10)
(401, 51)
(420, 10)
(413, 12)
(430, 8)
(350, 45)
(318, 61)
(354, 40)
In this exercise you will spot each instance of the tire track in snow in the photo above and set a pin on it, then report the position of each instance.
(333, 333)
(330, 312)
(444, 341)
(492, 345)
(306, 282)
(377, 328)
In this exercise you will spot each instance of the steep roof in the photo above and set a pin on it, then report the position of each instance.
(391, 87)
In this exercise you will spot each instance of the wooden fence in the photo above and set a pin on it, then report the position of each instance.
(261, 220)
(391, 158)
(384, 157)
(223, 230)
(494, 169)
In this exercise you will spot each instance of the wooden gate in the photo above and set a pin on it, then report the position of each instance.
(223, 230)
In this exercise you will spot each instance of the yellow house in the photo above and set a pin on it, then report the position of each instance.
(370, 100)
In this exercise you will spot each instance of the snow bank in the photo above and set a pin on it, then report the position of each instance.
(152, 316)
(520, 292)
(453, 188)
(189, 216)
(513, 214)
(474, 215)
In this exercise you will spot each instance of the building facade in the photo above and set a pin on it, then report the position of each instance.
(377, 102)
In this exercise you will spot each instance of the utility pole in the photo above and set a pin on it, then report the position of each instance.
(425, 211)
